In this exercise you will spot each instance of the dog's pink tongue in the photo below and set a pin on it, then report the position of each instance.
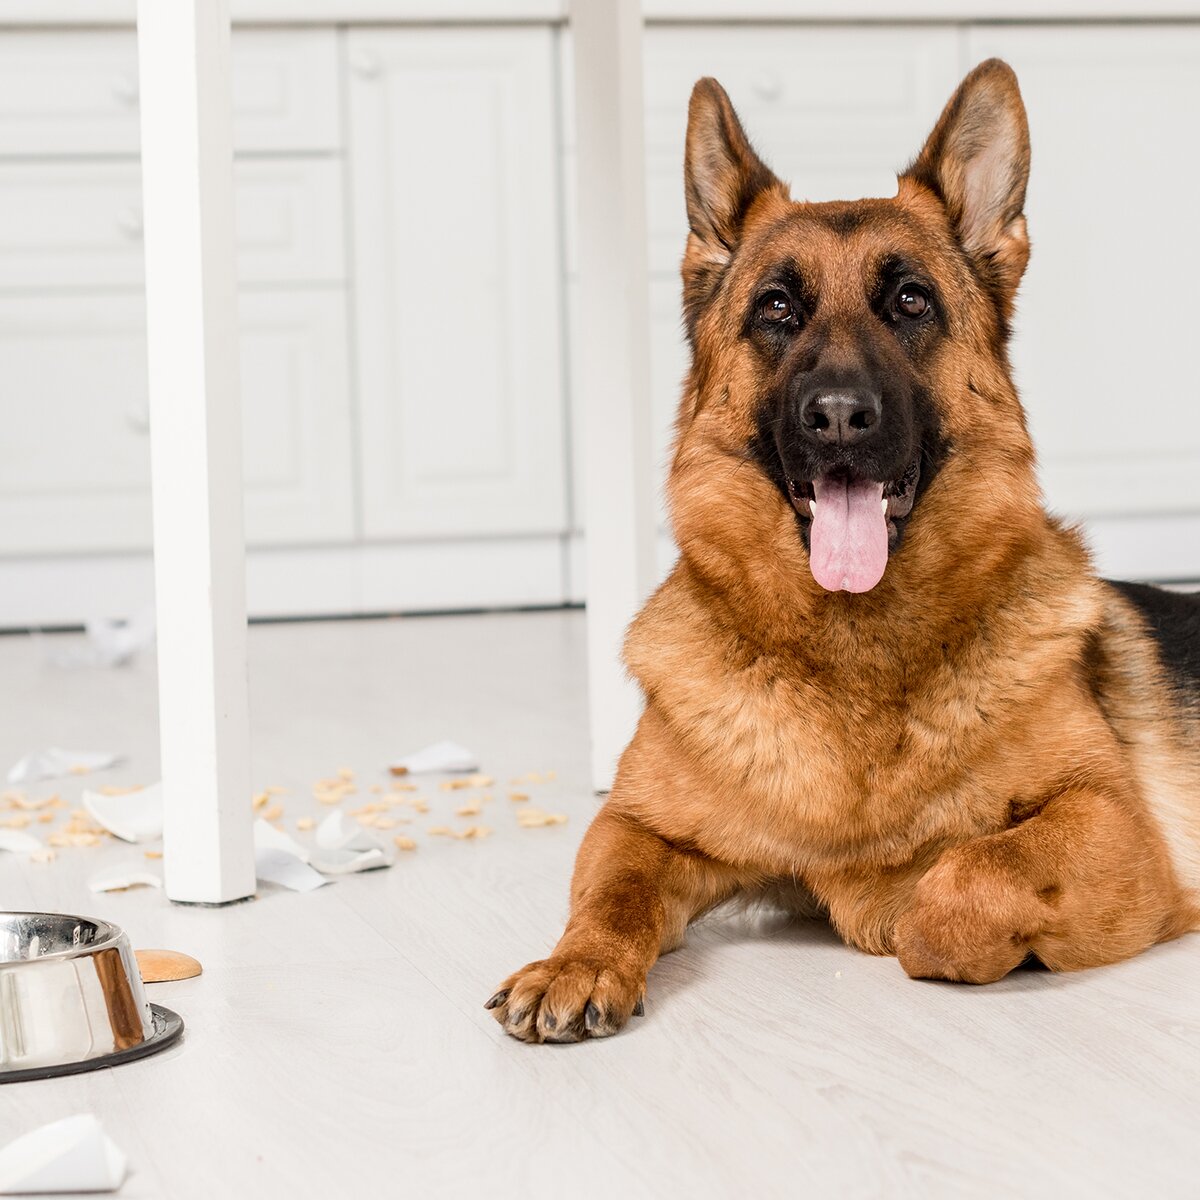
(848, 540)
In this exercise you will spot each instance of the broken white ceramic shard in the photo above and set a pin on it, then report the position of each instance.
(342, 849)
(16, 842)
(71, 1155)
(441, 756)
(119, 876)
(52, 763)
(132, 816)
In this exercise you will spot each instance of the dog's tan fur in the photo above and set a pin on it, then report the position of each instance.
(979, 759)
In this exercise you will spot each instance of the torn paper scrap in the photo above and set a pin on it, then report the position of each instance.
(50, 764)
(441, 756)
(342, 848)
(108, 642)
(119, 876)
(16, 842)
(281, 859)
(135, 816)
(278, 866)
(71, 1155)
(267, 837)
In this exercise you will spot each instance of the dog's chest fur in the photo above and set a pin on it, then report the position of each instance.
(866, 756)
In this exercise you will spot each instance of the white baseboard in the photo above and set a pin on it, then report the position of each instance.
(413, 577)
(440, 576)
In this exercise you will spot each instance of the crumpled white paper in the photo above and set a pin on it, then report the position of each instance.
(109, 643)
(132, 816)
(16, 842)
(280, 859)
(71, 1155)
(441, 756)
(118, 876)
(55, 762)
(343, 849)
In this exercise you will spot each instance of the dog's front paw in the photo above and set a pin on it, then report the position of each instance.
(973, 918)
(566, 998)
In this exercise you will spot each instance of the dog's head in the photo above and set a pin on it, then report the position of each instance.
(850, 355)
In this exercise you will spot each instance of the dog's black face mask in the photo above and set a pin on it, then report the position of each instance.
(847, 431)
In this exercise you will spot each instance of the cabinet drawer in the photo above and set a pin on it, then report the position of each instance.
(75, 457)
(77, 92)
(79, 225)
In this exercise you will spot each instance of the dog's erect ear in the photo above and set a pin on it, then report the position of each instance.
(722, 177)
(977, 161)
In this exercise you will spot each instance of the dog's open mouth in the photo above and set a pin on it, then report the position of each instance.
(854, 522)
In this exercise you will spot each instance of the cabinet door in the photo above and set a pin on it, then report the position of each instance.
(458, 288)
(74, 461)
(1105, 327)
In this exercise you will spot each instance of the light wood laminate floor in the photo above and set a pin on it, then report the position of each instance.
(337, 1046)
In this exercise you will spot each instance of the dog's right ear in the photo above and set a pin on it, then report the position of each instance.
(722, 178)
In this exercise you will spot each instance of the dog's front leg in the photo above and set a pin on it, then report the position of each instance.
(632, 897)
(1084, 882)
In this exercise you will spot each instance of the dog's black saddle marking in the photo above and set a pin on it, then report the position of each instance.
(1174, 620)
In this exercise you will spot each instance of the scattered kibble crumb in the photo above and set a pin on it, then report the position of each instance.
(404, 843)
(534, 818)
(519, 797)
(153, 853)
(471, 809)
(273, 813)
(466, 834)
(261, 800)
(305, 822)
(44, 855)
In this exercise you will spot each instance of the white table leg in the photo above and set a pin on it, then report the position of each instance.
(614, 356)
(196, 448)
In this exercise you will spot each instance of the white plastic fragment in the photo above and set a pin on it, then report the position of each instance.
(132, 816)
(342, 849)
(441, 756)
(108, 642)
(55, 762)
(71, 1155)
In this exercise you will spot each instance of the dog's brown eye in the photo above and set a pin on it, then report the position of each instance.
(775, 307)
(912, 301)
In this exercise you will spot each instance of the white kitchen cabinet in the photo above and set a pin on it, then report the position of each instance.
(78, 224)
(458, 289)
(1105, 326)
(76, 92)
(74, 461)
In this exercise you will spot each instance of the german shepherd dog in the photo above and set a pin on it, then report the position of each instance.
(880, 680)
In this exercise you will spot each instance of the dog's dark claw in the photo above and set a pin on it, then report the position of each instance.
(591, 1017)
(550, 1021)
(497, 1000)
(639, 1009)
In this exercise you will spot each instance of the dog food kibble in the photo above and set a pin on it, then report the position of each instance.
(404, 843)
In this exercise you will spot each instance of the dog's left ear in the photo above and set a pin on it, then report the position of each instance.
(977, 162)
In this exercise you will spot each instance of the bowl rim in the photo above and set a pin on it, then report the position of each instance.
(108, 935)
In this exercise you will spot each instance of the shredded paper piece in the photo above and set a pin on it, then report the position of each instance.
(53, 763)
(441, 756)
(71, 1155)
(109, 643)
(342, 848)
(16, 842)
(119, 876)
(135, 816)
(281, 859)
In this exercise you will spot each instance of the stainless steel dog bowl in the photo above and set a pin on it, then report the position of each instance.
(71, 998)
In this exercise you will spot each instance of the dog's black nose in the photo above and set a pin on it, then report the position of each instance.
(840, 418)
